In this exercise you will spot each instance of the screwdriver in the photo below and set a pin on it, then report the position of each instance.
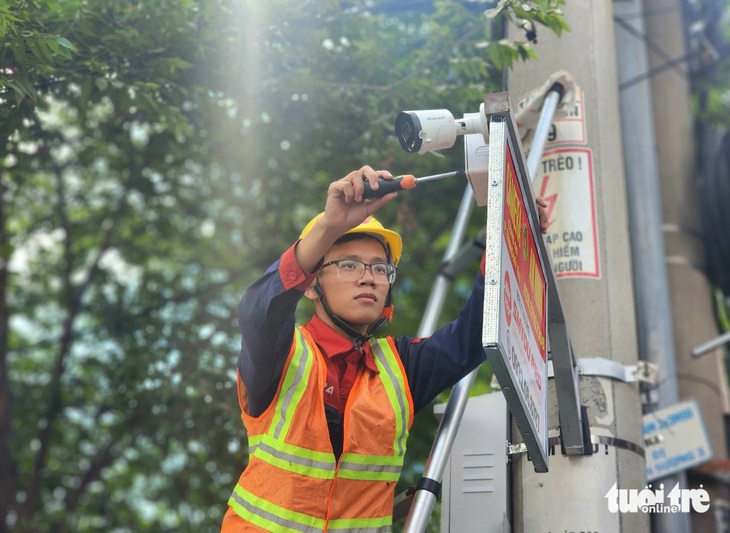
(406, 181)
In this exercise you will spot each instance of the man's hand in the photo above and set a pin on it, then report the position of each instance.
(345, 207)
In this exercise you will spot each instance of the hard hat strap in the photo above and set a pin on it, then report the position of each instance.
(359, 338)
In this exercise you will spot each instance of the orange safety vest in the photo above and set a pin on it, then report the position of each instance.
(292, 481)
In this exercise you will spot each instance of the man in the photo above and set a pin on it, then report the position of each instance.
(327, 407)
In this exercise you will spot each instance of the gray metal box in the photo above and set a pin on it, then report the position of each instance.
(475, 488)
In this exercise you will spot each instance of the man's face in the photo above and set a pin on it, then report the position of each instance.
(359, 302)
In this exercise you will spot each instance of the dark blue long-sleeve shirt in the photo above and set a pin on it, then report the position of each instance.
(266, 316)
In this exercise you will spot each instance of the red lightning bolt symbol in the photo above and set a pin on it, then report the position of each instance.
(549, 199)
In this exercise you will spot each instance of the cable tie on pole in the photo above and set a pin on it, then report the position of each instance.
(431, 485)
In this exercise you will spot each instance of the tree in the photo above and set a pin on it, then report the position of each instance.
(157, 157)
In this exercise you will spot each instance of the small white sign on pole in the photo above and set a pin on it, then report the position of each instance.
(676, 439)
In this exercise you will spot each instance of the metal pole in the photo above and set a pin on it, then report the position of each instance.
(703, 379)
(710, 345)
(549, 106)
(651, 288)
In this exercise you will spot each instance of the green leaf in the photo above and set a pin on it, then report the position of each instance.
(64, 42)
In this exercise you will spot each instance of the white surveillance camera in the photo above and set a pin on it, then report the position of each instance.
(424, 131)
(436, 129)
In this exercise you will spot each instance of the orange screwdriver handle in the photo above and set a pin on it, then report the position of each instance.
(385, 186)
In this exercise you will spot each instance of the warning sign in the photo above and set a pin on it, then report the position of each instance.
(565, 181)
(521, 262)
(523, 317)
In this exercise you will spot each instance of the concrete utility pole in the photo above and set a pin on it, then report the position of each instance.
(703, 379)
(595, 286)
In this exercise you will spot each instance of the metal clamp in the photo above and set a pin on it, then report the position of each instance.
(514, 449)
(604, 440)
(596, 440)
(643, 371)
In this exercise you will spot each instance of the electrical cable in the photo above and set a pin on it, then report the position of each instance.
(714, 200)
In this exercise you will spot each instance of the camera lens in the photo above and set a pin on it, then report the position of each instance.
(407, 133)
(407, 127)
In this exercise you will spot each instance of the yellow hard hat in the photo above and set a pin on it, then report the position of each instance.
(370, 226)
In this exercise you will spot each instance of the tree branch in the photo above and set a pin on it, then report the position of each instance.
(8, 480)
(73, 295)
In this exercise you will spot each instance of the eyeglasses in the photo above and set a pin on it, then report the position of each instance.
(353, 270)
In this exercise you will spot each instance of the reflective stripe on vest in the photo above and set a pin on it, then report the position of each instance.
(360, 525)
(396, 390)
(293, 388)
(267, 515)
(295, 459)
(370, 467)
(253, 443)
